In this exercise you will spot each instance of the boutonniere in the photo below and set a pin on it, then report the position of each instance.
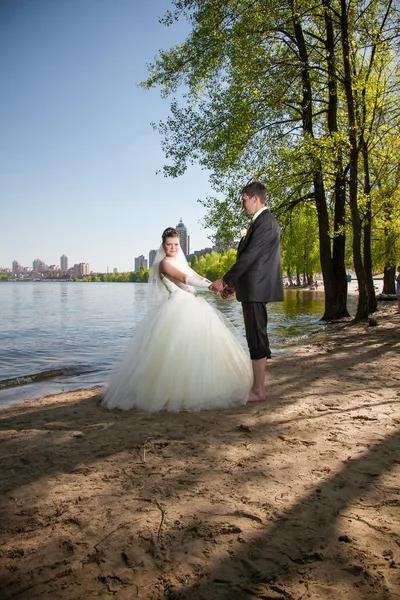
(243, 233)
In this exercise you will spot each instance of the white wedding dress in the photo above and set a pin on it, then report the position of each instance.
(183, 356)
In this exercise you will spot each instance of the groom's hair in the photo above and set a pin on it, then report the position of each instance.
(255, 188)
(169, 232)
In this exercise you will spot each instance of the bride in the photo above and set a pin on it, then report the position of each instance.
(183, 356)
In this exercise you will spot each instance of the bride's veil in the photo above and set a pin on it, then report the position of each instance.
(156, 292)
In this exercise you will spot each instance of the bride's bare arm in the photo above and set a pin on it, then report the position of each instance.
(168, 269)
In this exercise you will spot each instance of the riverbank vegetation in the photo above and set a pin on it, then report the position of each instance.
(212, 266)
(139, 276)
(305, 97)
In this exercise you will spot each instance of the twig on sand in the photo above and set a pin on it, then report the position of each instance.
(143, 446)
(104, 538)
(162, 518)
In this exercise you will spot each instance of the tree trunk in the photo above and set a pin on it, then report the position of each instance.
(362, 307)
(339, 239)
(372, 302)
(389, 274)
(334, 308)
(333, 299)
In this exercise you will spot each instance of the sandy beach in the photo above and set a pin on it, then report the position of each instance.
(294, 498)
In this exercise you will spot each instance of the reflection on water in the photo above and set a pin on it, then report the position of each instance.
(77, 328)
(290, 321)
(299, 316)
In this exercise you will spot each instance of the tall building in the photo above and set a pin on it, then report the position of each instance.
(152, 255)
(38, 265)
(16, 267)
(64, 263)
(140, 261)
(81, 269)
(183, 236)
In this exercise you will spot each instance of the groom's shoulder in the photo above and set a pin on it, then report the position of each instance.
(265, 217)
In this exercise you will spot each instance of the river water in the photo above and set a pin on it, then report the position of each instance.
(58, 336)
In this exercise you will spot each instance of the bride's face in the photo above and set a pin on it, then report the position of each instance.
(171, 246)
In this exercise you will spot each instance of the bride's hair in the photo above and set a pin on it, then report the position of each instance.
(169, 232)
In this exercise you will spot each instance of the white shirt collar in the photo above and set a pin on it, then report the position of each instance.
(258, 213)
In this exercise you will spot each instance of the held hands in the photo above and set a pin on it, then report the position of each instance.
(228, 292)
(221, 289)
(217, 286)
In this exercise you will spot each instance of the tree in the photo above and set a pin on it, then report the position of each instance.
(139, 276)
(277, 92)
(260, 48)
(215, 265)
(195, 262)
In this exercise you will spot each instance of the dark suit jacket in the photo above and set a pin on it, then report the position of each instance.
(257, 273)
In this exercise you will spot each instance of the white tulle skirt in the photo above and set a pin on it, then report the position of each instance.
(183, 357)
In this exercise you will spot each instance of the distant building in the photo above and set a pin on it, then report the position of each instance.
(39, 266)
(81, 269)
(200, 253)
(140, 261)
(152, 255)
(183, 236)
(16, 267)
(64, 263)
(115, 271)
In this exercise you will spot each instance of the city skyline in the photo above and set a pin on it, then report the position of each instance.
(39, 266)
(138, 261)
(79, 155)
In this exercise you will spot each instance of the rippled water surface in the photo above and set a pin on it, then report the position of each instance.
(57, 336)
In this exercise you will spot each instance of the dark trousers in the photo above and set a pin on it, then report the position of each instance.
(255, 322)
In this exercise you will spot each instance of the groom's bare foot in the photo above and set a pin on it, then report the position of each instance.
(254, 397)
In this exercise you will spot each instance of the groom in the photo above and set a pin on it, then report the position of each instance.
(257, 279)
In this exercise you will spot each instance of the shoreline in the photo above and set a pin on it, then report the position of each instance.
(293, 498)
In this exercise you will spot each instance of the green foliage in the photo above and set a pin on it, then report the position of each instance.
(271, 89)
(140, 276)
(5, 278)
(214, 265)
(194, 263)
(299, 242)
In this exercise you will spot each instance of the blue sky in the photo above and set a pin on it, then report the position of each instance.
(78, 156)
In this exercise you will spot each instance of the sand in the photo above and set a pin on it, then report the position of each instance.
(294, 498)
